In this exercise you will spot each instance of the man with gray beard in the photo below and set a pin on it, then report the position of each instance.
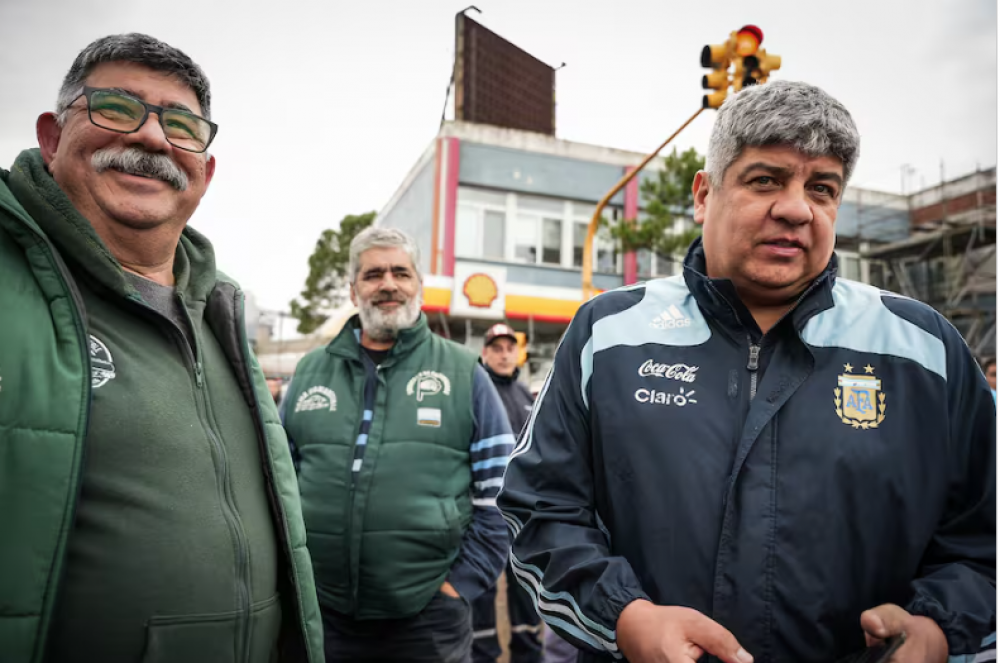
(401, 442)
(149, 504)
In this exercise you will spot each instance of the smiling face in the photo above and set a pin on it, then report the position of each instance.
(387, 292)
(769, 226)
(110, 197)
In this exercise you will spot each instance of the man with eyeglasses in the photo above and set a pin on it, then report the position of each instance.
(148, 503)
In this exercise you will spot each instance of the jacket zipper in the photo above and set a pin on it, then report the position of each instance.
(229, 498)
(229, 510)
(752, 365)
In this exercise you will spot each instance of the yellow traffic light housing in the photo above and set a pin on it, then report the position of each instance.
(718, 80)
(767, 64)
(522, 348)
(750, 64)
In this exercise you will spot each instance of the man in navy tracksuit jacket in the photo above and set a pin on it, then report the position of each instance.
(756, 459)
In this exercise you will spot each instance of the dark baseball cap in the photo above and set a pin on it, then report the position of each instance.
(499, 330)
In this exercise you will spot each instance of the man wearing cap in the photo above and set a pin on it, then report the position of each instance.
(500, 360)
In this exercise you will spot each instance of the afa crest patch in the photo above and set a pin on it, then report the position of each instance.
(859, 400)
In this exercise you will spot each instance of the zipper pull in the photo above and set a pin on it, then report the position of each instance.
(754, 356)
(198, 374)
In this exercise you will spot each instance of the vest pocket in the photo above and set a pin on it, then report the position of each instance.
(265, 625)
(452, 519)
(212, 638)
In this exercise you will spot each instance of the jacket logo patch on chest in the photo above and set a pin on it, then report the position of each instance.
(680, 399)
(428, 383)
(680, 372)
(102, 365)
(429, 416)
(859, 400)
(317, 398)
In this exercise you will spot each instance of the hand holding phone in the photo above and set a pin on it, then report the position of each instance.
(880, 653)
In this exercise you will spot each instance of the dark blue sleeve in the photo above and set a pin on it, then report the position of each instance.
(956, 583)
(561, 554)
(484, 548)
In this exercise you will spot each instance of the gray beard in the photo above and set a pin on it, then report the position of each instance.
(383, 327)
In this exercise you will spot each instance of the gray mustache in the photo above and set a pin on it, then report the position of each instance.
(136, 161)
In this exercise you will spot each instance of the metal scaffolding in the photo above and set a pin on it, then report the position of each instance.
(949, 260)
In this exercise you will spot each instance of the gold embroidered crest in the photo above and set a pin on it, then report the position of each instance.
(859, 400)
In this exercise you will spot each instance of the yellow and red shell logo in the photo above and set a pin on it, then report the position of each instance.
(481, 290)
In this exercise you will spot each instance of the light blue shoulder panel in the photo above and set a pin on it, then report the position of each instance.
(860, 321)
(667, 314)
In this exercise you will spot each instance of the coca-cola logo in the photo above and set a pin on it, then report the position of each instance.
(680, 372)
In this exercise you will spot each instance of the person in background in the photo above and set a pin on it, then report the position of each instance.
(990, 371)
(274, 386)
(499, 357)
(401, 443)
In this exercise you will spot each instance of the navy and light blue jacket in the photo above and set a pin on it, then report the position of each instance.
(781, 484)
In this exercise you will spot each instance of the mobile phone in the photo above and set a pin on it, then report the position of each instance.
(878, 653)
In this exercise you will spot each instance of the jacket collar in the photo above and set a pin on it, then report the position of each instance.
(347, 343)
(719, 299)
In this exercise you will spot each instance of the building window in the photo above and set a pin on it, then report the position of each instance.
(526, 239)
(644, 264)
(666, 266)
(493, 235)
(552, 241)
(849, 267)
(480, 220)
(579, 237)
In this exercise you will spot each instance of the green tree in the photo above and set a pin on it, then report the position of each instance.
(326, 285)
(667, 199)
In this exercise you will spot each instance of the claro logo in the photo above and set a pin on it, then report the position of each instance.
(679, 399)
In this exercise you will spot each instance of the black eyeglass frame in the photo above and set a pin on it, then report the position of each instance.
(148, 108)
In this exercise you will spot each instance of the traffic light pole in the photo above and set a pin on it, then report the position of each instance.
(588, 244)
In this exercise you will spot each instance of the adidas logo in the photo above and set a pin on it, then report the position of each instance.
(670, 318)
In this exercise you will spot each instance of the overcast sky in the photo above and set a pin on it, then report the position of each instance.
(323, 107)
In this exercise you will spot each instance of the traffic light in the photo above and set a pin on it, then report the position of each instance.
(718, 80)
(751, 64)
(768, 63)
(522, 348)
(715, 56)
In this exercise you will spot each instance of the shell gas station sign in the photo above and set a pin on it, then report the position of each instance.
(478, 291)
(481, 290)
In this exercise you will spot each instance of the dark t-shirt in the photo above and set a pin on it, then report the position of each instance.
(164, 300)
(377, 356)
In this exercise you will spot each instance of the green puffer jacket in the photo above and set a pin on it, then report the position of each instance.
(46, 407)
(384, 528)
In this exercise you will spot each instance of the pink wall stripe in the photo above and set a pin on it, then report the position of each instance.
(631, 266)
(450, 204)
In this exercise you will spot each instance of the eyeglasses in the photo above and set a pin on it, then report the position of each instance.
(116, 111)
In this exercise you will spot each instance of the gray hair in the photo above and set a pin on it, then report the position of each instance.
(381, 238)
(139, 49)
(782, 113)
